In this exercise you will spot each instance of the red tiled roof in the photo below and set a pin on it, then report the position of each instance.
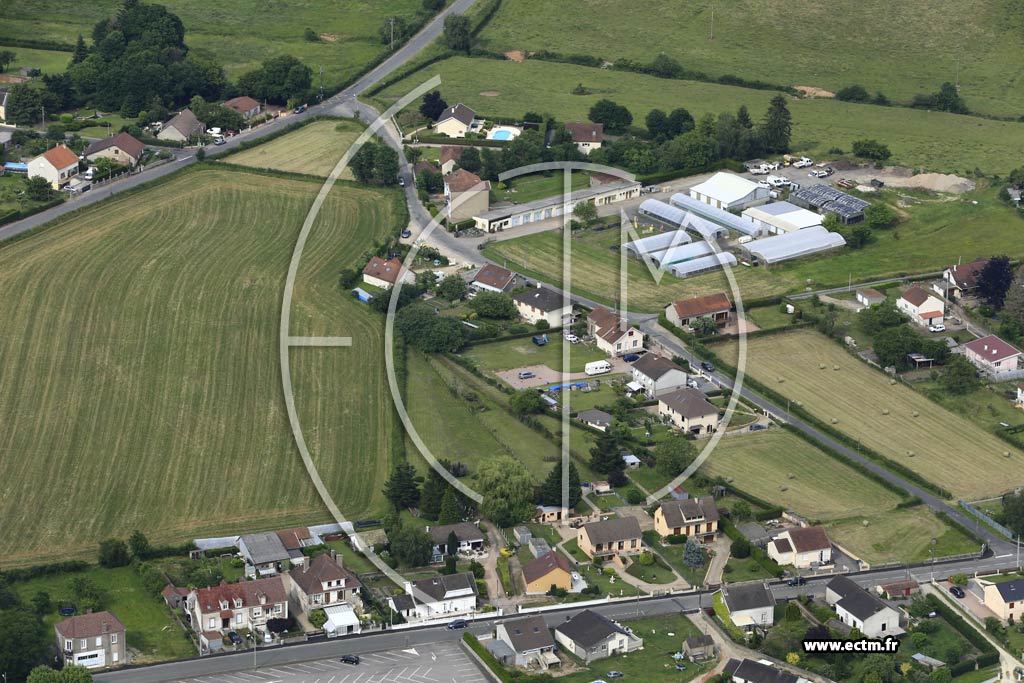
(928, 315)
(242, 104)
(450, 153)
(389, 270)
(461, 180)
(585, 132)
(170, 591)
(811, 538)
(89, 625)
(494, 276)
(249, 592)
(992, 348)
(915, 295)
(966, 274)
(292, 538)
(60, 157)
(702, 305)
(311, 576)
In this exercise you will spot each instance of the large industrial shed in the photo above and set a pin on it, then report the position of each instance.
(730, 192)
(827, 199)
(684, 252)
(719, 216)
(702, 264)
(781, 217)
(656, 243)
(794, 245)
(659, 210)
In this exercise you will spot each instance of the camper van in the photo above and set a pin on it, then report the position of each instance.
(597, 367)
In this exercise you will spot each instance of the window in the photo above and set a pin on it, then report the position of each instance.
(213, 623)
(277, 608)
(238, 603)
(113, 639)
(82, 644)
(239, 619)
(632, 544)
(69, 644)
(99, 641)
(257, 611)
(116, 656)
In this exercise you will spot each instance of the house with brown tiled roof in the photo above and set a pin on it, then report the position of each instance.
(322, 582)
(450, 156)
(688, 410)
(550, 569)
(385, 274)
(685, 311)
(587, 136)
(612, 333)
(184, 127)
(466, 195)
(962, 279)
(244, 105)
(57, 164)
(233, 606)
(494, 278)
(696, 517)
(992, 355)
(922, 308)
(801, 547)
(95, 640)
(121, 149)
(619, 536)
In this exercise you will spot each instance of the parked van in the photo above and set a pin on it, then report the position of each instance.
(597, 367)
(526, 374)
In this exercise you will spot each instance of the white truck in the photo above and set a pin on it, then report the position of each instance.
(597, 367)
(777, 181)
(802, 162)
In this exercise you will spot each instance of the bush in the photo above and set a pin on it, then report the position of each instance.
(871, 149)
(740, 548)
(676, 539)
(634, 497)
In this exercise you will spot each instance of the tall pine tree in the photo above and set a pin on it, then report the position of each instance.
(451, 511)
(778, 126)
(403, 486)
(81, 51)
(551, 489)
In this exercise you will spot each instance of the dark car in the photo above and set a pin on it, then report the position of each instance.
(680, 666)
(299, 109)
(957, 591)
(706, 366)
(234, 638)
(757, 428)
(797, 581)
(350, 659)
(407, 233)
(631, 357)
(614, 674)
(457, 624)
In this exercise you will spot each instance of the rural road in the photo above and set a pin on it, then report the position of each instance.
(343, 103)
(620, 610)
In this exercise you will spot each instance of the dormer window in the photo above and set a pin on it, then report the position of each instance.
(223, 604)
(238, 603)
(263, 599)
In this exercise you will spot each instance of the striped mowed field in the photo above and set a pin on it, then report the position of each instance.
(139, 360)
(313, 149)
(859, 514)
(892, 419)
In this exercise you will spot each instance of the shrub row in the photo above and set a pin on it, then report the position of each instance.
(35, 44)
(758, 554)
(28, 573)
(662, 176)
(18, 214)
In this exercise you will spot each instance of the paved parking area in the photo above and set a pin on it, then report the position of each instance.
(435, 663)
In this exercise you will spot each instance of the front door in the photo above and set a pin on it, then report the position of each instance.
(225, 623)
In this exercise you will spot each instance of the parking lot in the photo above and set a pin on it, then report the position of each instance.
(435, 663)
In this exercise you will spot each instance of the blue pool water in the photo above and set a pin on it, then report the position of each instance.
(501, 135)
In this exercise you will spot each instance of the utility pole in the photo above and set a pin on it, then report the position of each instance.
(321, 82)
(392, 22)
(712, 19)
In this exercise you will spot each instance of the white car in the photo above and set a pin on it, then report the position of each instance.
(572, 339)
(804, 162)
(764, 184)
(938, 327)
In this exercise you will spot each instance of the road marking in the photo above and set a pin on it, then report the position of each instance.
(412, 651)
(319, 341)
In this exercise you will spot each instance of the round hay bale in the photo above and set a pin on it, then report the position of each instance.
(885, 411)
(728, 480)
(783, 488)
(790, 476)
(780, 380)
(821, 366)
(865, 522)
(892, 381)
(915, 413)
(835, 420)
(1006, 454)
(835, 367)
(911, 454)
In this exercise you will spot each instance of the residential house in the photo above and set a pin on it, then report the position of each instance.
(619, 536)
(899, 589)
(598, 419)
(470, 538)
(244, 105)
(182, 128)
(699, 648)
(322, 582)
(263, 553)
(962, 279)
(923, 308)
(688, 410)
(530, 641)
(557, 206)
(613, 334)
(438, 597)
(801, 547)
(1006, 599)
(750, 671)
(730, 192)
(860, 609)
(122, 149)
(450, 157)
(750, 605)
(455, 121)
(57, 164)
(386, 273)
(992, 355)
(92, 640)
(657, 375)
(587, 136)
(866, 296)
(234, 606)
(174, 596)
(6, 135)
(696, 517)
(466, 195)
(493, 278)
(779, 218)
(592, 636)
(684, 312)
(550, 569)
(540, 303)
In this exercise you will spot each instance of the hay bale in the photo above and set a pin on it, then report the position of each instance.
(835, 421)
(780, 380)
(821, 366)
(892, 381)
(783, 488)
(865, 522)
(790, 476)
(915, 413)
(911, 454)
(728, 480)
(835, 367)
(1006, 454)
(885, 411)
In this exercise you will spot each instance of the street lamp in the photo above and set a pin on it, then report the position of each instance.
(931, 554)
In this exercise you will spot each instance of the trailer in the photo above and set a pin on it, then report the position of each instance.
(597, 367)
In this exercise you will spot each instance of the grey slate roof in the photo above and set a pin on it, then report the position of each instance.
(588, 628)
(594, 416)
(756, 672)
(464, 531)
(611, 530)
(682, 512)
(704, 640)
(529, 633)
(1011, 591)
(460, 112)
(263, 548)
(654, 366)
(541, 298)
(747, 596)
(854, 599)
(689, 403)
(438, 588)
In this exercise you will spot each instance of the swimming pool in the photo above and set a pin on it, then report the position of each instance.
(503, 133)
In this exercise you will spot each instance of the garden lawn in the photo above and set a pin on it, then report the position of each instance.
(947, 449)
(747, 569)
(899, 536)
(149, 626)
(47, 61)
(520, 352)
(932, 140)
(314, 149)
(539, 186)
(655, 573)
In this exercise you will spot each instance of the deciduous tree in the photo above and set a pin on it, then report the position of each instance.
(994, 281)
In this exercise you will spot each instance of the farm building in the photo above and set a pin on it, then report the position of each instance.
(515, 215)
(57, 165)
(730, 192)
(587, 136)
(122, 149)
(781, 217)
(466, 195)
(386, 274)
(681, 253)
(455, 121)
(857, 608)
(801, 548)
(992, 355)
(794, 245)
(687, 409)
(923, 308)
(715, 215)
(657, 375)
(493, 278)
(654, 244)
(704, 227)
(715, 306)
(827, 199)
(869, 297)
(540, 303)
(750, 605)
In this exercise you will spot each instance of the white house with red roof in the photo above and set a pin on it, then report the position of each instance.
(587, 136)
(58, 165)
(613, 335)
(386, 274)
(922, 308)
(962, 279)
(801, 547)
(992, 356)
(494, 278)
(93, 640)
(232, 606)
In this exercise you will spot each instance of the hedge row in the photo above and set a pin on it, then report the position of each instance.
(500, 672)
(971, 635)
(28, 573)
(18, 214)
(958, 526)
(758, 554)
(34, 44)
(662, 176)
(462, 142)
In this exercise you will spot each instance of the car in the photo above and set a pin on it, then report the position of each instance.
(457, 624)
(804, 162)
(764, 184)
(957, 592)
(572, 339)
(299, 109)
(234, 638)
(526, 374)
(757, 428)
(706, 366)
(797, 581)
(401, 181)
(407, 233)
(937, 327)
(614, 674)
(349, 659)
(631, 357)
(680, 666)
(219, 141)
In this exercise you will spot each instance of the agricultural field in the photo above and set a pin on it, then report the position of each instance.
(235, 32)
(860, 514)
(47, 61)
(945, 448)
(808, 45)
(314, 149)
(930, 140)
(144, 383)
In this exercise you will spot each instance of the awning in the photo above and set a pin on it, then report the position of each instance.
(635, 387)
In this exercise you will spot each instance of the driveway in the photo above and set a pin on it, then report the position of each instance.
(546, 375)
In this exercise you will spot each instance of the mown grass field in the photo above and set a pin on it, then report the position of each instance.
(948, 449)
(826, 491)
(314, 149)
(517, 353)
(931, 140)
(47, 61)
(141, 379)
(238, 34)
(911, 47)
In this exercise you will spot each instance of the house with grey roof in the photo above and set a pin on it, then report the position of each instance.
(263, 552)
(696, 517)
(751, 605)
(688, 410)
(530, 641)
(861, 609)
(184, 127)
(658, 375)
(591, 636)
(750, 671)
(470, 539)
(455, 121)
(598, 419)
(440, 597)
(540, 303)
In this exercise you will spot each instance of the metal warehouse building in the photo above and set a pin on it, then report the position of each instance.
(781, 217)
(794, 245)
